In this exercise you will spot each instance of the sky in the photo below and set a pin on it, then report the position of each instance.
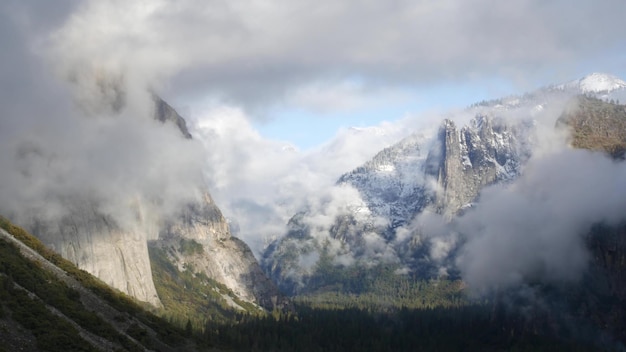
(270, 88)
(303, 69)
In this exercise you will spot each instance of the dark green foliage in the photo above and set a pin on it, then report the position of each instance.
(44, 285)
(469, 328)
(379, 286)
(52, 332)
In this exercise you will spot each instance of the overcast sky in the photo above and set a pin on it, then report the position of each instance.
(301, 68)
(270, 88)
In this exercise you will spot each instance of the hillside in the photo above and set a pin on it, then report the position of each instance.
(596, 125)
(50, 305)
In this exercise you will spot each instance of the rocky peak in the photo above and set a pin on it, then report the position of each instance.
(164, 113)
(465, 160)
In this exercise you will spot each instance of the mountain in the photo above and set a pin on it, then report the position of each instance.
(200, 241)
(439, 171)
(217, 254)
(594, 83)
(119, 251)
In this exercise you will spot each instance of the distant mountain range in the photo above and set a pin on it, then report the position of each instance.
(441, 171)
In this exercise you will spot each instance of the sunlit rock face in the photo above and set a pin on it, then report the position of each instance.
(219, 256)
(109, 239)
(96, 244)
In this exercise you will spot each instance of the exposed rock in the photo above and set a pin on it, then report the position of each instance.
(466, 160)
(392, 182)
(96, 244)
(163, 112)
(221, 257)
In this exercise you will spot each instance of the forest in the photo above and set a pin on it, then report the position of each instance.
(388, 312)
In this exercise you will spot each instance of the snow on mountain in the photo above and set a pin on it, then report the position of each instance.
(598, 82)
(439, 171)
(595, 83)
(391, 183)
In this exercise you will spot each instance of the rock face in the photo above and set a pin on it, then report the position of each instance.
(118, 253)
(163, 112)
(210, 249)
(466, 160)
(96, 244)
(442, 173)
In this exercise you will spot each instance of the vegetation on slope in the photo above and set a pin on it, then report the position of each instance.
(30, 293)
(597, 125)
(192, 297)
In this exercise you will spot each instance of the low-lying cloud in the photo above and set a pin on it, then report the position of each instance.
(261, 184)
(88, 139)
(534, 228)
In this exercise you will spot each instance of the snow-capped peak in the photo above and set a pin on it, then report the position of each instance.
(598, 82)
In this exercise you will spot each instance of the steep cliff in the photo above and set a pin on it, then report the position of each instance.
(464, 161)
(109, 238)
(200, 240)
(96, 244)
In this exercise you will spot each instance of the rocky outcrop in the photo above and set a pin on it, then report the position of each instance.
(200, 240)
(115, 249)
(464, 161)
(440, 172)
(163, 112)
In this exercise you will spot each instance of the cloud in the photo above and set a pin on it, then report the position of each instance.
(253, 54)
(347, 95)
(533, 229)
(63, 145)
(261, 184)
(62, 61)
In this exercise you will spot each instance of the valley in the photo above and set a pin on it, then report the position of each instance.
(398, 267)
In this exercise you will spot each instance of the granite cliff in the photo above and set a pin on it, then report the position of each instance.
(115, 249)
